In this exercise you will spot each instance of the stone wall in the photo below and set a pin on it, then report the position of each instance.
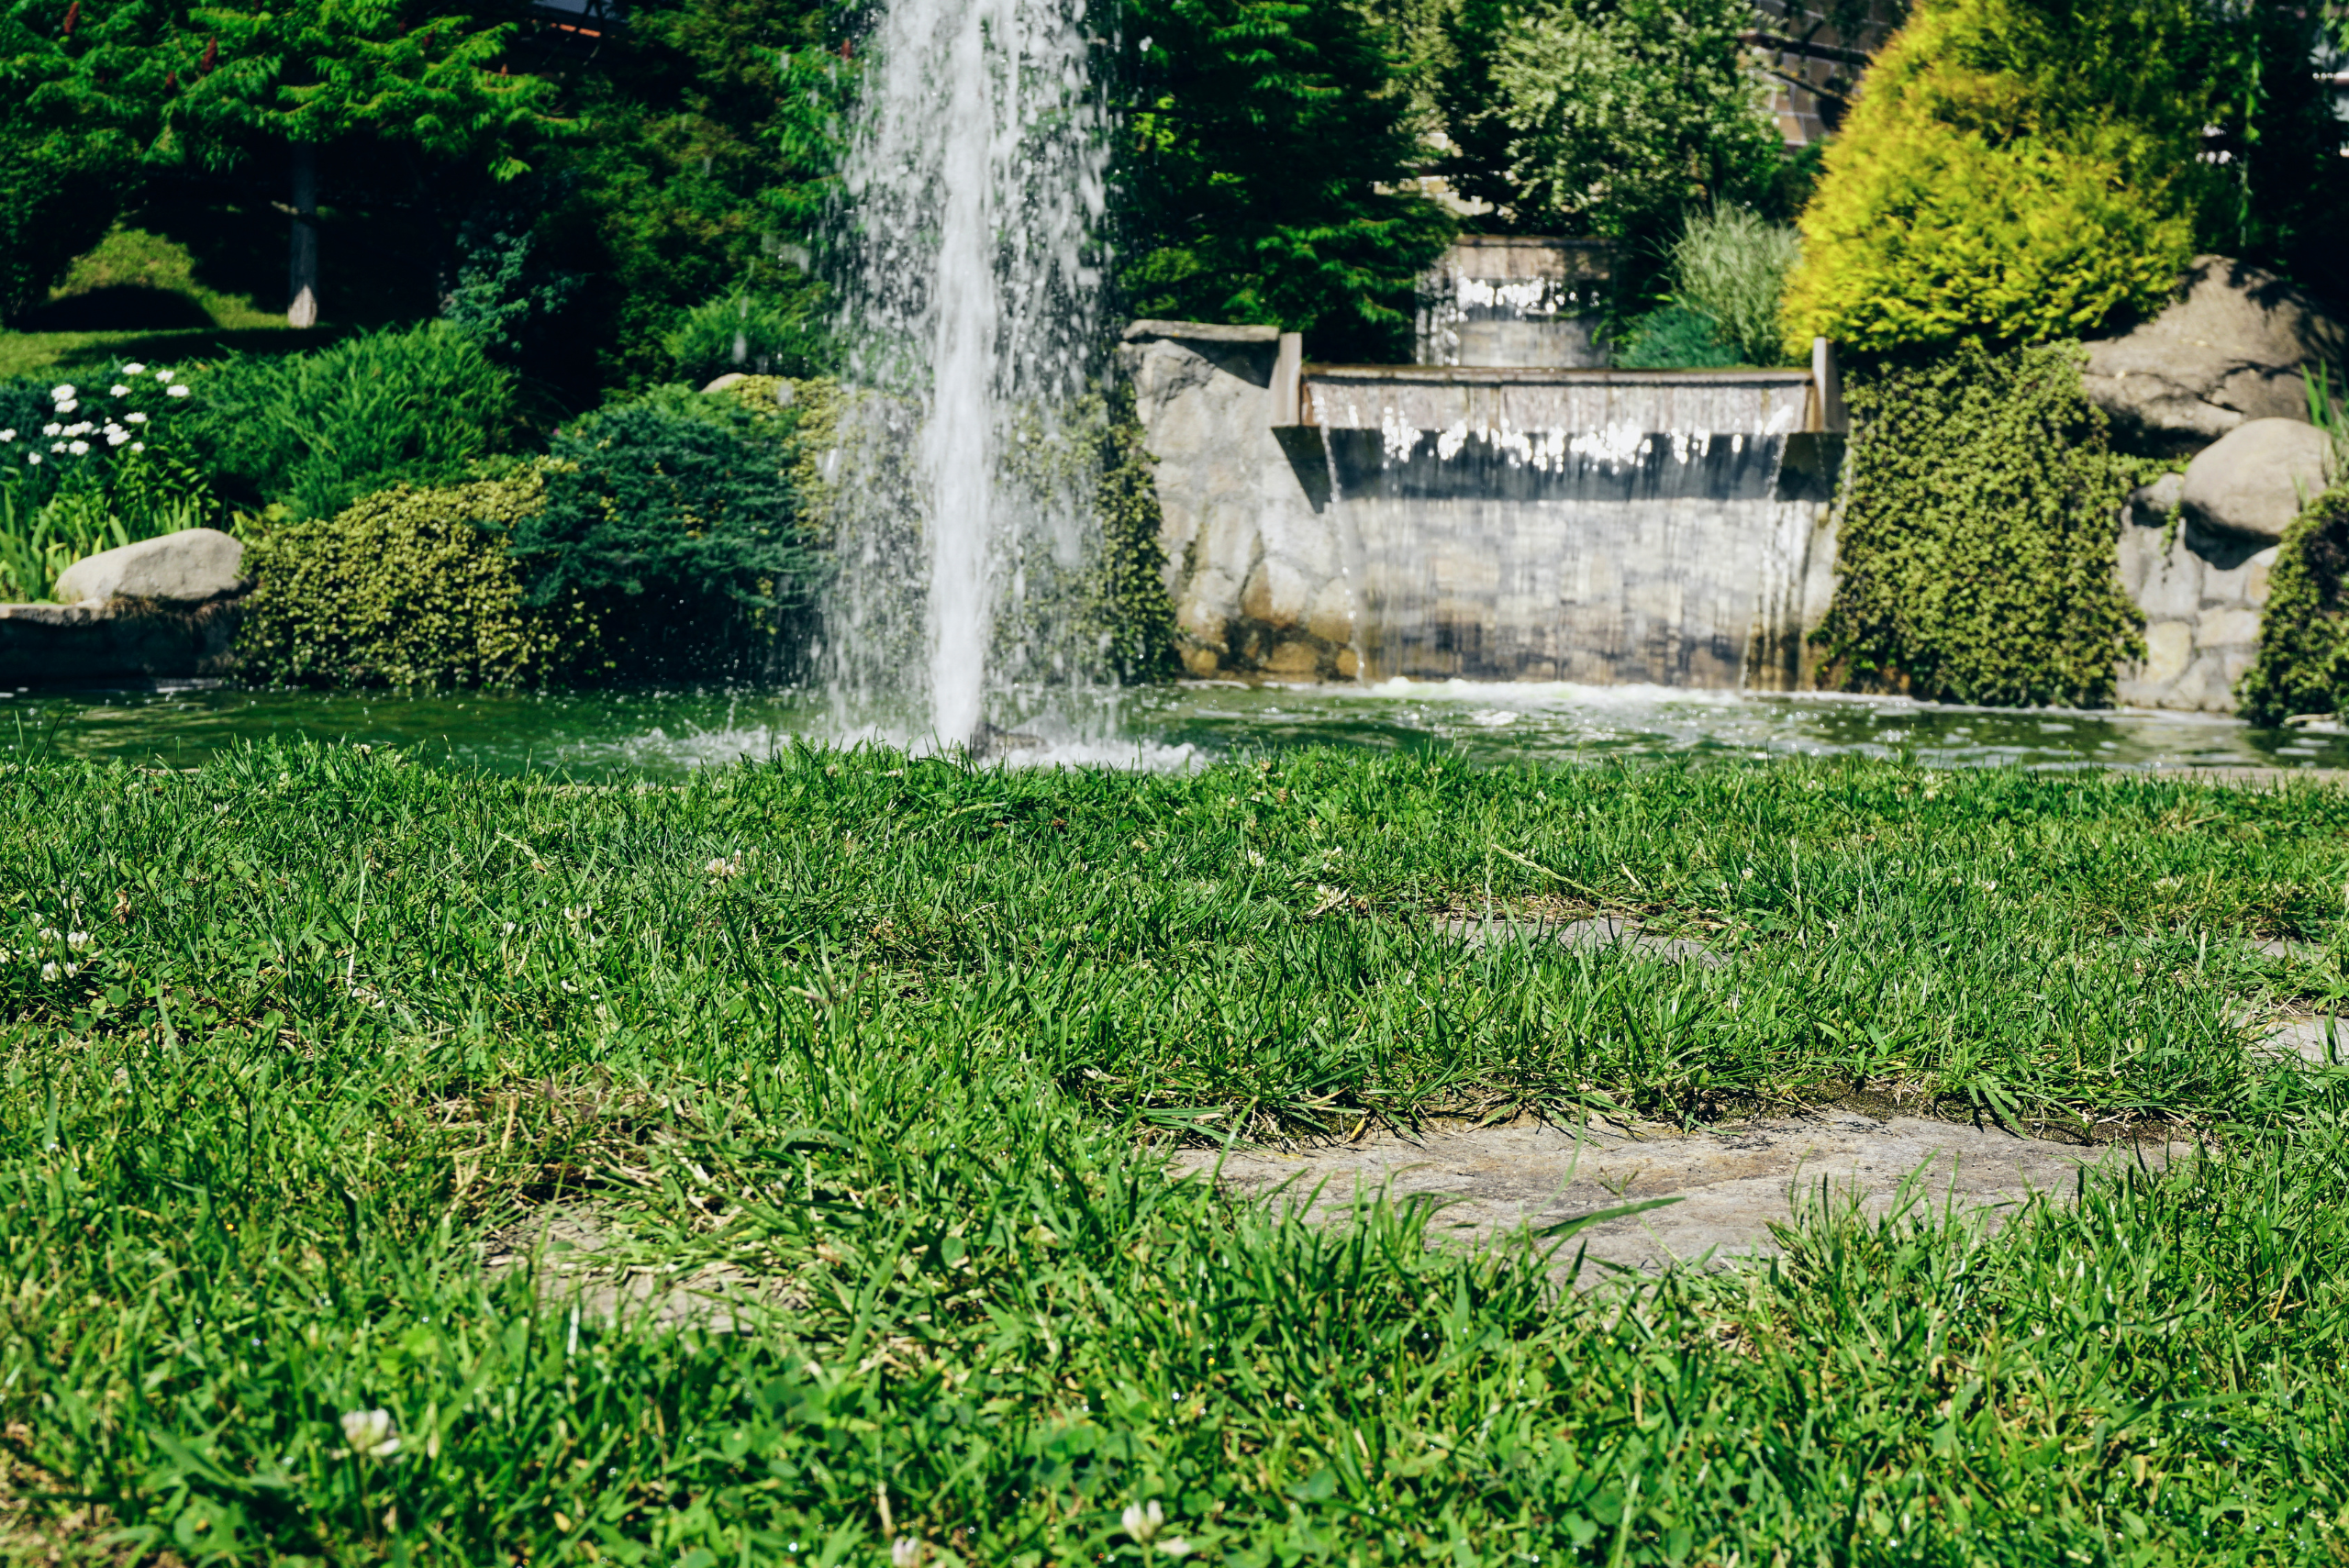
(1496, 524)
(1254, 563)
(2201, 591)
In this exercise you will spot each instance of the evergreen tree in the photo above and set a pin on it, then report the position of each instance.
(1267, 175)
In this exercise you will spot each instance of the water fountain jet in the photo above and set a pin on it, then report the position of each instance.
(974, 179)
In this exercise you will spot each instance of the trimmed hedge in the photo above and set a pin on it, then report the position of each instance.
(411, 587)
(1977, 561)
(2303, 665)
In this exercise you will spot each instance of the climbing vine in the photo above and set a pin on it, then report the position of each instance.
(2303, 665)
(1976, 561)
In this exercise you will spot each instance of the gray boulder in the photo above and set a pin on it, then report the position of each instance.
(2227, 348)
(192, 567)
(2257, 478)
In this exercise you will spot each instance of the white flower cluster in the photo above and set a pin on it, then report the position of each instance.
(72, 441)
(60, 953)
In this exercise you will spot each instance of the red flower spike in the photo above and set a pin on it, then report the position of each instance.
(73, 15)
(211, 53)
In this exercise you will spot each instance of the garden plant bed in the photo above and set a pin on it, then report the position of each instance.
(359, 1085)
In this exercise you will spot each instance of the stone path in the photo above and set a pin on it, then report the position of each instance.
(1732, 1181)
(1600, 931)
(583, 1259)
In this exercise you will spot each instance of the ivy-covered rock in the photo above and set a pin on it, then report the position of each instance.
(1977, 561)
(2303, 666)
(411, 587)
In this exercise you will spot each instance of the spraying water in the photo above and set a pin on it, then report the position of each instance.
(974, 180)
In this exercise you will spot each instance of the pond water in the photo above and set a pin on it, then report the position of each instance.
(667, 733)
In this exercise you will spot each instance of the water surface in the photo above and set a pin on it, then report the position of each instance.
(667, 733)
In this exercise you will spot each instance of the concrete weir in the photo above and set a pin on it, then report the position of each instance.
(1526, 522)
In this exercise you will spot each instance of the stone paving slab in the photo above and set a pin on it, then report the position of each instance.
(1732, 1181)
(2304, 1036)
(1600, 931)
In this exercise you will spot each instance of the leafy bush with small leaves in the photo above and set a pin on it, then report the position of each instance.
(676, 516)
(2303, 665)
(1624, 114)
(411, 587)
(313, 432)
(1977, 560)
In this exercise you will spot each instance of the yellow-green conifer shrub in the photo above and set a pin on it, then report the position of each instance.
(2014, 171)
(410, 588)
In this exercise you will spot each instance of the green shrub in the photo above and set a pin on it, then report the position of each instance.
(60, 190)
(1674, 338)
(2013, 171)
(1731, 265)
(1977, 560)
(2303, 664)
(770, 333)
(1625, 113)
(314, 432)
(677, 517)
(1127, 610)
(411, 587)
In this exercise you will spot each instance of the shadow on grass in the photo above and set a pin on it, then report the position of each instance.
(26, 353)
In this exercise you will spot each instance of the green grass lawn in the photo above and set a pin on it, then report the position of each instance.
(905, 1045)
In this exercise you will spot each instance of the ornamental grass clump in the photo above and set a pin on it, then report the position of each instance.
(412, 587)
(311, 433)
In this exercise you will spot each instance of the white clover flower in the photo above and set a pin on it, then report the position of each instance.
(1176, 1546)
(369, 1434)
(33, 458)
(134, 370)
(117, 390)
(52, 934)
(52, 429)
(135, 418)
(79, 941)
(1143, 1521)
(48, 970)
(904, 1551)
(180, 390)
(138, 446)
(71, 970)
(79, 448)
(61, 393)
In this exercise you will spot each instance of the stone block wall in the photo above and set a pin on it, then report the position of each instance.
(2201, 591)
(1255, 562)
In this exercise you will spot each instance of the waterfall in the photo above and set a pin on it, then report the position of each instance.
(974, 181)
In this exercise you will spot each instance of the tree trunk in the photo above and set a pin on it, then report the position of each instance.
(302, 260)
